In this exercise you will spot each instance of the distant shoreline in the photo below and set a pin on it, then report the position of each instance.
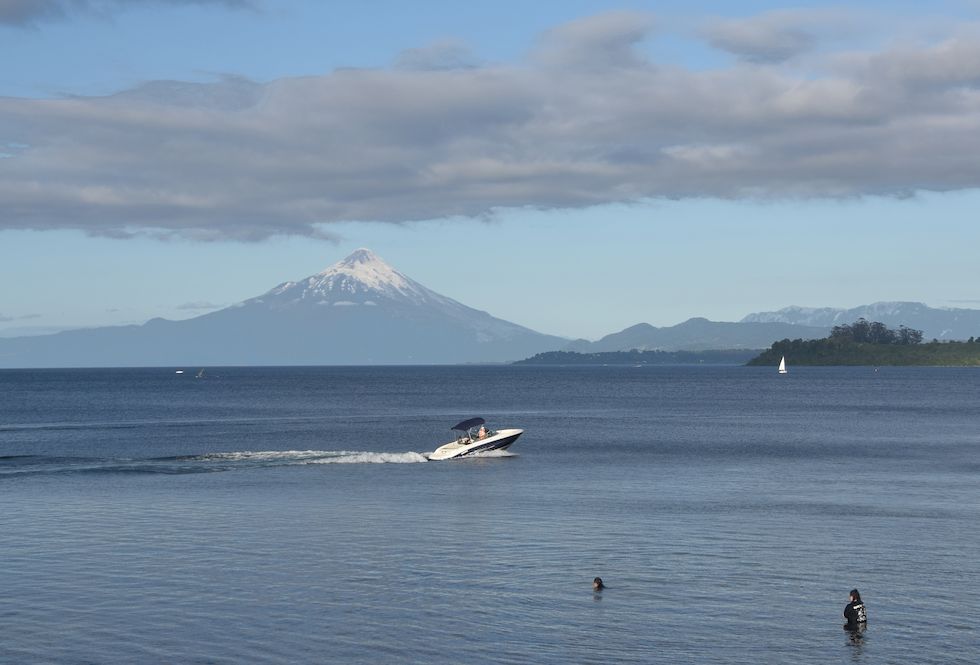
(637, 357)
(822, 352)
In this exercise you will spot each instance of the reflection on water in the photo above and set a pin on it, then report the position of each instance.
(855, 642)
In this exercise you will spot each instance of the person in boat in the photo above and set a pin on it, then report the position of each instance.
(855, 612)
(482, 434)
(597, 584)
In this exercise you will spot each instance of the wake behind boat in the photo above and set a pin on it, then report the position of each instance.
(472, 437)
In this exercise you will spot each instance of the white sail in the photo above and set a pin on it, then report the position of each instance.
(782, 365)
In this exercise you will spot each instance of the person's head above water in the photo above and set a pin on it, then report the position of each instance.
(597, 584)
(855, 595)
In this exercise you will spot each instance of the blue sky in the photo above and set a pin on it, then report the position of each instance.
(576, 167)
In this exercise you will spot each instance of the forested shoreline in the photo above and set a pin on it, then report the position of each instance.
(872, 343)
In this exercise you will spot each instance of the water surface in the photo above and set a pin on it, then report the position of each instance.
(279, 515)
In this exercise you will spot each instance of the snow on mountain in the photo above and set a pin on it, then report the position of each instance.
(831, 316)
(800, 316)
(360, 279)
(363, 279)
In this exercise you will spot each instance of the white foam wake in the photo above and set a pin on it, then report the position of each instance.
(354, 457)
(494, 453)
(314, 457)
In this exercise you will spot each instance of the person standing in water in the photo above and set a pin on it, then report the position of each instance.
(855, 612)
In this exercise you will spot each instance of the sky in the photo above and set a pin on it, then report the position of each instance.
(573, 166)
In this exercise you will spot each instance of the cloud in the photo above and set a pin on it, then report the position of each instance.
(597, 42)
(23, 13)
(446, 54)
(199, 306)
(585, 120)
(24, 317)
(774, 36)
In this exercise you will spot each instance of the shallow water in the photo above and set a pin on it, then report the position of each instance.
(288, 515)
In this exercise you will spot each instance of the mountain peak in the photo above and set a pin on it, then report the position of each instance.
(362, 255)
(361, 278)
(363, 270)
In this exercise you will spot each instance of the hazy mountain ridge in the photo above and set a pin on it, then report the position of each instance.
(934, 322)
(761, 329)
(697, 334)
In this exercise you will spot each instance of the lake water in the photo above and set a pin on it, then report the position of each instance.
(283, 515)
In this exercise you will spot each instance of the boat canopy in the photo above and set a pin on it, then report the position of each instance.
(467, 424)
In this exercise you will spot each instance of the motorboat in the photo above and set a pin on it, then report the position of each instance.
(473, 437)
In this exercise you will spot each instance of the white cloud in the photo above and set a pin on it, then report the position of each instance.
(585, 120)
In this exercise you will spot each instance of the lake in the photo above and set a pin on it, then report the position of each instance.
(282, 515)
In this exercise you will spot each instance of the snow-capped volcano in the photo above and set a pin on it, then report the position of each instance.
(359, 311)
(362, 278)
(367, 311)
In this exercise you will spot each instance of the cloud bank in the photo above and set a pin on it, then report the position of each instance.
(586, 119)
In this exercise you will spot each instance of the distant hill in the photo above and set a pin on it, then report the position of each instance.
(358, 311)
(697, 334)
(935, 323)
(718, 357)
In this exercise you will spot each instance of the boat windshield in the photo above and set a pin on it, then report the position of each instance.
(473, 433)
(469, 424)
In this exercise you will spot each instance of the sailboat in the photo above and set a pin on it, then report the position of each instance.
(782, 365)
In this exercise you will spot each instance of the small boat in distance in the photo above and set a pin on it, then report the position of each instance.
(782, 365)
(472, 437)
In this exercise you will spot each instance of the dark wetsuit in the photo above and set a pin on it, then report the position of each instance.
(856, 615)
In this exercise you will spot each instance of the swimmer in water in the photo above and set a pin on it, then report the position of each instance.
(855, 612)
(597, 584)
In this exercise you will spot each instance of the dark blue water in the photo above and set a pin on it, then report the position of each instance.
(287, 515)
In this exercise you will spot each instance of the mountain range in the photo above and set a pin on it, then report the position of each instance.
(697, 334)
(361, 311)
(760, 330)
(935, 323)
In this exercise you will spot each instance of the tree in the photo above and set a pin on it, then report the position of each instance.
(908, 335)
(863, 331)
(879, 333)
(842, 333)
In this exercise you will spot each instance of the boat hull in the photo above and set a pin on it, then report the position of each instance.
(501, 440)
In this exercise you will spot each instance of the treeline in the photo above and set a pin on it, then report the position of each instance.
(871, 343)
(863, 331)
(636, 357)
